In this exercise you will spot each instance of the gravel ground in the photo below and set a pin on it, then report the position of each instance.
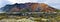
(14, 20)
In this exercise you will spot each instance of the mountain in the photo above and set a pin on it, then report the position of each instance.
(28, 7)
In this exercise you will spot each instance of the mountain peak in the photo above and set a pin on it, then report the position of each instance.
(33, 7)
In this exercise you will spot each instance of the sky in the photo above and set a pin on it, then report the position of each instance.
(53, 3)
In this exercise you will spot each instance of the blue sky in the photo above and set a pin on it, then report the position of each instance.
(53, 3)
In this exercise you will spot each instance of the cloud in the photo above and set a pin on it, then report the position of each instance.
(54, 3)
(22, 1)
(4, 2)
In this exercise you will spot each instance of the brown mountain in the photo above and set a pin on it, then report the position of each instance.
(44, 7)
(30, 7)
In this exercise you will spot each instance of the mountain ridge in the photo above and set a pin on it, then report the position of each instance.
(32, 7)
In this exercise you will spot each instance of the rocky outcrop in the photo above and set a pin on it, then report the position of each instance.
(30, 7)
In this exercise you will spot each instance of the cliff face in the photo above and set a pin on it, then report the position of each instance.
(30, 7)
(43, 7)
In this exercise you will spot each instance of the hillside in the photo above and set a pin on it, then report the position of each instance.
(13, 13)
(28, 7)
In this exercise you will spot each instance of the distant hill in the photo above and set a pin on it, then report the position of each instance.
(28, 7)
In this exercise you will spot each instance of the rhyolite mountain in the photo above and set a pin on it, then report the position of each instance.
(28, 7)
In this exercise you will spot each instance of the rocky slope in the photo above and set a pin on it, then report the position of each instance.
(28, 7)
